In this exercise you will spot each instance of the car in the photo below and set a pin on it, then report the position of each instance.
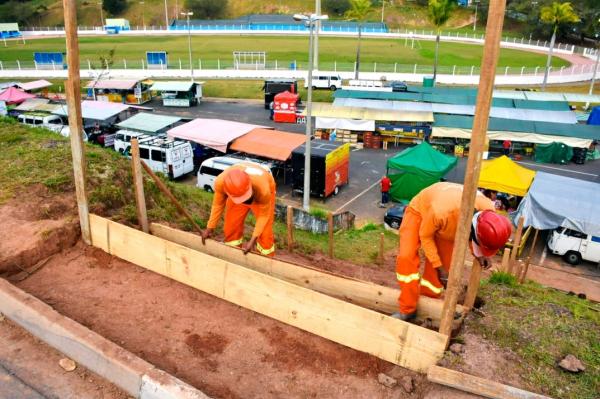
(393, 216)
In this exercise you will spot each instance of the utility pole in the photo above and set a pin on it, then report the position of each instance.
(187, 15)
(73, 92)
(101, 15)
(475, 21)
(167, 16)
(143, 16)
(382, 9)
(356, 72)
(316, 37)
(491, 51)
(587, 104)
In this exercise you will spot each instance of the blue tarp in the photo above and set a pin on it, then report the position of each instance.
(547, 206)
(594, 118)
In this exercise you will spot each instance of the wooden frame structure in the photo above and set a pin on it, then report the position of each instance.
(396, 341)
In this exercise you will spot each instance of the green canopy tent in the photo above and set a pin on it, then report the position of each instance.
(417, 167)
(553, 153)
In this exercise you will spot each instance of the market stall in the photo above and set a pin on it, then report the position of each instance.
(145, 122)
(36, 105)
(505, 176)
(39, 87)
(416, 168)
(213, 133)
(120, 91)
(549, 205)
(285, 106)
(97, 112)
(269, 144)
(13, 96)
(179, 93)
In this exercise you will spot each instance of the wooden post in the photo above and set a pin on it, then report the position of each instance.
(73, 93)
(516, 244)
(505, 260)
(480, 124)
(161, 186)
(290, 227)
(526, 267)
(380, 258)
(138, 184)
(473, 286)
(330, 230)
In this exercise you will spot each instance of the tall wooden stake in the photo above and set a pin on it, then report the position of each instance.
(505, 260)
(489, 61)
(330, 230)
(138, 184)
(290, 227)
(380, 258)
(516, 245)
(73, 93)
(473, 286)
(526, 267)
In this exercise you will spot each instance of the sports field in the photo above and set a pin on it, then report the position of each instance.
(283, 49)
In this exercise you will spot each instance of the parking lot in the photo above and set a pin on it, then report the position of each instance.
(361, 196)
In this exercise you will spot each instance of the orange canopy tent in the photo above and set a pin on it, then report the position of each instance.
(271, 144)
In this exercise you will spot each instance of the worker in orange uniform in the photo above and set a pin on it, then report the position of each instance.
(430, 221)
(238, 189)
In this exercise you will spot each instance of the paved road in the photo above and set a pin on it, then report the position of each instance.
(367, 166)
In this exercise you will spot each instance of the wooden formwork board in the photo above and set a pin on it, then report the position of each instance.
(398, 342)
(363, 293)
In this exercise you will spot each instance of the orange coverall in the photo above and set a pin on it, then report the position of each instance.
(429, 222)
(263, 208)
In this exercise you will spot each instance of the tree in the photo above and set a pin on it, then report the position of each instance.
(358, 11)
(439, 12)
(114, 7)
(207, 9)
(338, 7)
(556, 14)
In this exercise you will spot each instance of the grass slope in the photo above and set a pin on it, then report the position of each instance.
(283, 49)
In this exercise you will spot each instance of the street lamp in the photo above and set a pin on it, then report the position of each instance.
(587, 104)
(166, 16)
(101, 15)
(382, 9)
(143, 19)
(475, 21)
(310, 22)
(188, 15)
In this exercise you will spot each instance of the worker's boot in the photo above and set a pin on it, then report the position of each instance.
(404, 316)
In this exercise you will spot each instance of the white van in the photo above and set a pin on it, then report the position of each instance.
(174, 158)
(213, 167)
(50, 122)
(122, 139)
(574, 246)
(332, 82)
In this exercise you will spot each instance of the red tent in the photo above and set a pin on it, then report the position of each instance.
(284, 107)
(12, 95)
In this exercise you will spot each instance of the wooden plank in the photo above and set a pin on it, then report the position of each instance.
(330, 231)
(73, 94)
(477, 385)
(401, 343)
(491, 52)
(526, 267)
(290, 227)
(505, 260)
(515, 247)
(473, 287)
(363, 293)
(138, 185)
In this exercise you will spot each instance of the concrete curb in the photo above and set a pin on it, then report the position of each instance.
(130, 373)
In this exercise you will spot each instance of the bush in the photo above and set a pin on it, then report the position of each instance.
(207, 9)
(338, 7)
(114, 7)
(502, 278)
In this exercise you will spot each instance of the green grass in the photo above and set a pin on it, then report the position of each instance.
(209, 49)
(541, 326)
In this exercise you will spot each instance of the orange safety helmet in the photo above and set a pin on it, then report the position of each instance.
(492, 231)
(237, 185)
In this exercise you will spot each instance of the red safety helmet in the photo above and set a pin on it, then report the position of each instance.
(237, 185)
(492, 231)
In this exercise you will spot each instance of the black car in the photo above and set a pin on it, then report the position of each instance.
(393, 216)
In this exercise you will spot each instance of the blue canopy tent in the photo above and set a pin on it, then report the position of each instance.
(594, 118)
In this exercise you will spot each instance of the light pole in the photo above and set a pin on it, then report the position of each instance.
(310, 21)
(166, 16)
(475, 21)
(316, 37)
(187, 15)
(143, 19)
(101, 15)
(587, 105)
(382, 9)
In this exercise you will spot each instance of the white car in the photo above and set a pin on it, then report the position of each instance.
(122, 140)
(331, 82)
(574, 245)
(50, 122)
(213, 167)
(174, 158)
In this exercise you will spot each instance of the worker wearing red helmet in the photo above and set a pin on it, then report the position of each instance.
(239, 189)
(430, 222)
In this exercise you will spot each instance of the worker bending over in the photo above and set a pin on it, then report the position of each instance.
(238, 189)
(430, 222)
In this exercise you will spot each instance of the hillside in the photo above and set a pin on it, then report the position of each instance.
(402, 13)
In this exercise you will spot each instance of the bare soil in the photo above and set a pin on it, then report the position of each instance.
(220, 348)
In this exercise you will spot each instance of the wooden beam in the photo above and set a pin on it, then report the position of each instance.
(330, 231)
(366, 294)
(290, 227)
(138, 184)
(526, 267)
(491, 51)
(477, 385)
(381, 255)
(473, 286)
(505, 260)
(73, 93)
(516, 244)
(393, 340)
